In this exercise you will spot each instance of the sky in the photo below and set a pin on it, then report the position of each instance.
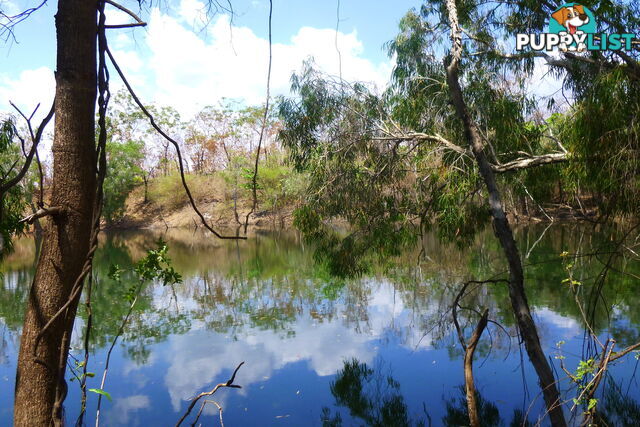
(188, 59)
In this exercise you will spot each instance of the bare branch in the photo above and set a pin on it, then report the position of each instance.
(7, 23)
(35, 140)
(624, 352)
(229, 383)
(517, 164)
(42, 212)
(132, 25)
(529, 162)
(417, 136)
(139, 22)
(254, 180)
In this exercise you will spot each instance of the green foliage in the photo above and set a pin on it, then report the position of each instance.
(14, 202)
(101, 392)
(156, 265)
(606, 149)
(364, 167)
(585, 367)
(124, 173)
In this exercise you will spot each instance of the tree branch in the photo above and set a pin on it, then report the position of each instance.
(35, 140)
(42, 213)
(530, 162)
(418, 136)
(229, 383)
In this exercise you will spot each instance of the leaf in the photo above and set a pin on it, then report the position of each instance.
(592, 404)
(102, 392)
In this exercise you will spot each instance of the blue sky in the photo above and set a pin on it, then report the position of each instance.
(177, 60)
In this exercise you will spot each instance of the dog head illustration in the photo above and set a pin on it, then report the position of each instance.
(571, 17)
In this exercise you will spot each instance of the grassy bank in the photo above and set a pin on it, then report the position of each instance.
(223, 198)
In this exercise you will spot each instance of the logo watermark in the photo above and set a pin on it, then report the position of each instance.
(573, 28)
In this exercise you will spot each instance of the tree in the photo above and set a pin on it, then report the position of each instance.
(71, 232)
(456, 129)
(42, 357)
(124, 173)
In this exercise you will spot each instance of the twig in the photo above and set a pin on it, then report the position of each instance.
(35, 140)
(229, 383)
(113, 344)
(254, 181)
(202, 407)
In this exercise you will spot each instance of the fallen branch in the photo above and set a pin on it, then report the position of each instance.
(417, 136)
(229, 383)
(529, 162)
(517, 164)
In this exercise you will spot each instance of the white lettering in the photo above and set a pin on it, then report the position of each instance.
(521, 41)
(552, 41)
(537, 42)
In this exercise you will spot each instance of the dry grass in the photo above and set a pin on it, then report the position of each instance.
(168, 194)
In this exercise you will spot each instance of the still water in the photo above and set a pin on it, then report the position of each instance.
(317, 350)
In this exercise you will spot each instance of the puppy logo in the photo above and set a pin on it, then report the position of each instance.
(573, 27)
(575, 20)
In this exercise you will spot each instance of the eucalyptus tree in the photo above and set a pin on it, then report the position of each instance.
(458, 126)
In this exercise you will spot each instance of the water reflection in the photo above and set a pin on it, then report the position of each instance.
(305, 336)
(370, 394)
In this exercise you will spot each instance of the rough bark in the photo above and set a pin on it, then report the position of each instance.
(67, 234)
(503, 231)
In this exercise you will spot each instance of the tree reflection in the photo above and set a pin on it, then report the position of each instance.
(370, 395)
(618, 408)
(273, 284)
(458, 415)
(373, 396)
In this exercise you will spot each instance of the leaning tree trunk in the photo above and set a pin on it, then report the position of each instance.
(67, 234)
(517, 295)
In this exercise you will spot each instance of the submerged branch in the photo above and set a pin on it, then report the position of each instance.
(229, 383)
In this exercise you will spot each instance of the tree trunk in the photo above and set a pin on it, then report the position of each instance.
(66, 235)
(519, 303)
(469, 385)
(145, 178)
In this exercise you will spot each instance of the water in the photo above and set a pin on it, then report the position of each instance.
(377, 350)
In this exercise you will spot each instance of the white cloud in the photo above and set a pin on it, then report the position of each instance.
(9, 8)
(198, 359)
(193, 12)
(30, 88)
(122, 408)
(117, 17)
(189, 72)
(565, 326)
(170, 63)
